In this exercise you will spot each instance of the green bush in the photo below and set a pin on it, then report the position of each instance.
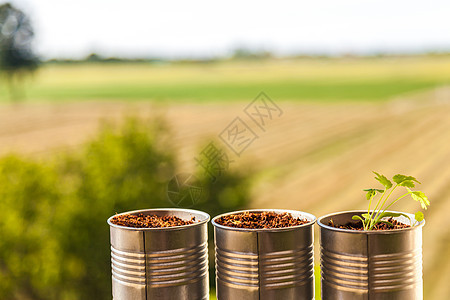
(54, 241)
(31, 256)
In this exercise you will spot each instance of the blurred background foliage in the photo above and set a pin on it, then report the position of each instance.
(17, 58)
(54, 238)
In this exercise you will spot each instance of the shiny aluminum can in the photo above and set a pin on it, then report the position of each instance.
(161, 263)
(370, 265)
(265, 263)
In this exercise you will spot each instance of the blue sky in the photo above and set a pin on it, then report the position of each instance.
(205, 28)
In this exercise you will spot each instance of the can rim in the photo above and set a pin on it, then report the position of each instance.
(193, 211)
(390, 231)
(311, 218)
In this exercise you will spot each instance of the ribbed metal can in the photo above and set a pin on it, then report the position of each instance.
(161, 263)
(265, 263)
(370, 265)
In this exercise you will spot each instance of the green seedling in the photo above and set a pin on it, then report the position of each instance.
(375, 216)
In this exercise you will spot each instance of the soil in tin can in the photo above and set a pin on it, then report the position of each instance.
(149, 221)
(260, 220)
(380, 226)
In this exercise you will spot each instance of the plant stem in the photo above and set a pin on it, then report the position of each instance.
(384, 202)
(376, 206)
(368, 212)
(370, 203)
(396, 200)
(377, 217)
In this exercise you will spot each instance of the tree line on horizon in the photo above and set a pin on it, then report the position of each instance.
(238, 54)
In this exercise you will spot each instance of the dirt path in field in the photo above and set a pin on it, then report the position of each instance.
(314, 157)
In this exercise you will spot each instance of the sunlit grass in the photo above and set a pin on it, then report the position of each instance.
(300, 79)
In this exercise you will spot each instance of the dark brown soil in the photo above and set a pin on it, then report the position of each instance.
(259, 220)
(149, 221)
(380, 226)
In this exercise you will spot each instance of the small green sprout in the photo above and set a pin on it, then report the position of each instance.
(372, 218)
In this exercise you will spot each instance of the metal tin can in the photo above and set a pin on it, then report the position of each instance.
(265, 263)
(161, 263)
(370, 265)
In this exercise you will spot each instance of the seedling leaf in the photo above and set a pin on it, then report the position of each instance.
(407, 183)
(393, 215)
(386, 222)
(420, 196)
(365, 216)
(372, 192)
(355, 217)
(389, 214)
(376, 190)
(383, 180)
(401, 178)
(419, 216)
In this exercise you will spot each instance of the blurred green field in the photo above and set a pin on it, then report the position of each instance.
(288, 79)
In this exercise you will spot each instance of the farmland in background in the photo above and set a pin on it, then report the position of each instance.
(342, 118)
(288, 79)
